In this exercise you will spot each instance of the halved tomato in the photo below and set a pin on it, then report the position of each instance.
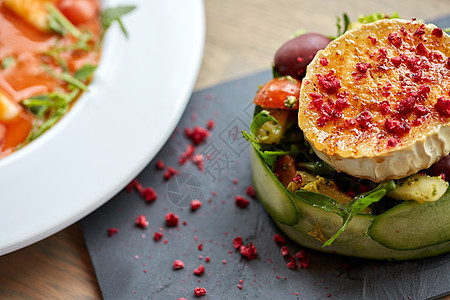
(281, 93)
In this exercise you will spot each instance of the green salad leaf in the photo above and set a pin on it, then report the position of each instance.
(360, 203)
(110, 15)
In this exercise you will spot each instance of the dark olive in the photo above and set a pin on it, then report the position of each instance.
(441, 167)
(293, 57)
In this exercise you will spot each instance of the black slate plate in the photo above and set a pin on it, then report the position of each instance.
(131, 265)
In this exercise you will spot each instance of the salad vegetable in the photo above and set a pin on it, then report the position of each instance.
(328, 210)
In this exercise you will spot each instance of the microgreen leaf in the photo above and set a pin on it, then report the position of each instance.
(110, 15)
(84, 72)
(270, 157)
(60, 24)
(360, 203)
(7, 61)
(260, 119)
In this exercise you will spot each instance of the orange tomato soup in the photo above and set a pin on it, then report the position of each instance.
(28, 70)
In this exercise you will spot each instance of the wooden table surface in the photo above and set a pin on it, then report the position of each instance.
(241, 38)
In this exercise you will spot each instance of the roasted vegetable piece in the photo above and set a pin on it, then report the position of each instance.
(33, 11)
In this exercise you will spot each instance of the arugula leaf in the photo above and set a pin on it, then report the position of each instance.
(48, 109)
(7, 61)
(360, 203)
(318, 167)
(84, 72)
(260, 119)
(108, 16)
(320, 200)
(269, 157)
(375, 17)
(60, 24)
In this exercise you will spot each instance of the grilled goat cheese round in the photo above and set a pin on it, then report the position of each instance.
(375, 103)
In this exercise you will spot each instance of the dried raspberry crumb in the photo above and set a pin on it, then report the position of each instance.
(148, 194)
(291, 264)
(196, 135)
(160, 165)
(181, 299)
(279, 239)
(165, 242)
(250, 191)
(178, 264)
(235, 181)
(363, 67)
(442, 176)
(396, 61)
(141, 221)
(239, 286)
(324, 61)
(237, 242)
(364, 118)
(372, 39)
(199, 291)
(397, 128)
(329, 82)
(200, 270)
(385, 107)
(186, 155)
(422, 49)
(134, 184)
(420, 31)
(437, 32)
(112, 231)
(443, 107)
(207, 259)
(249, 251)
(224, 261)
(195, 204)
(198, 160)
(200, 247)
(241, 202)
(297, 179)
(170, 172)
(284, 251)
(303, 260)
(158, 236)
(211, 124)
(171, 220)
(395, 39)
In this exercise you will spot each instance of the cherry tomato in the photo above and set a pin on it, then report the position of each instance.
(79, 11)
(281, 93)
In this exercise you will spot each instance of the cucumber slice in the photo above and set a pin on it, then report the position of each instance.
(412, 225)
(301, 222)
(276, 199)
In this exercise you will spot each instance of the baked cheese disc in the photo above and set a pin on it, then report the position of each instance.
(375, 103)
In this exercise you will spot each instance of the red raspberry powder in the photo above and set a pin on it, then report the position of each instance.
(195, 204)
(158, 236)
(148, 194)
(279, 239)
(141, 221)
(199, 291)
(237, 242)
(160, 165)
(250, 191)
(197, 135)
(112, 231)
(171, 220)
(241, 202)
(249, 251)
(170, 172)
(178, 264)
(200, 270)
(211, 124)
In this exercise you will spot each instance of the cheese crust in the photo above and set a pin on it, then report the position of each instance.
(375, 103)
